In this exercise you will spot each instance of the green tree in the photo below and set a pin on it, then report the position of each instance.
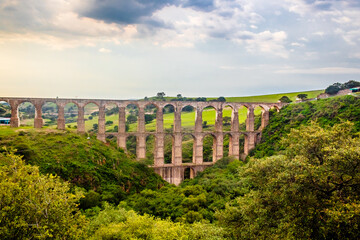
(131, 119)
(285, 99)
(302, 96)
(332, 90)
(221, 99)
(35, 206)
(310, 192)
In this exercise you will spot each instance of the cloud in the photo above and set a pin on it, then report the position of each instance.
(104, 50)
(324, 70)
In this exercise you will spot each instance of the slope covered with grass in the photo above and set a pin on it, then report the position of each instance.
(103, 171)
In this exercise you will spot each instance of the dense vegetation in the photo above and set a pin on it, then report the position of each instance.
(303, 182)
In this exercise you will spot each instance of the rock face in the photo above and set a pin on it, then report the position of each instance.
(174, 171)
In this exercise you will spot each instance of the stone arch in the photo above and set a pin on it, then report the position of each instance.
(188, 144)
(50, 112)
(150, 116)
(209, 147)
(242, 116)
(187, 117)
(150, 147)
(131, 144)
(26, 112)
(189, 173)
(111, 117)
(209, 118)
(91, 108)
(168, 148)
(71, 110)
(228, 117)
(132, 115)
(169, 117)
(6, 108)
(227, 144)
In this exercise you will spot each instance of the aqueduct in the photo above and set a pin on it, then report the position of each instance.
(172, 172)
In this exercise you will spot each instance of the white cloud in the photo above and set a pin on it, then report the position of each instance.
(104, 50)
(324, 70)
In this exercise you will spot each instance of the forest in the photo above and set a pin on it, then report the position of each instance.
(302, 181)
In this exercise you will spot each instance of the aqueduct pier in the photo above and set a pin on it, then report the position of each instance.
(172, 172)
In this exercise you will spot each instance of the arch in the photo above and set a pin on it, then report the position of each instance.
(209, 147)
(132, 115)
(187, 148)
(150, 148)
(227, 144)
(131, 145)
(169, 117)
(150, 117)
(242, 115)
(208, 118)
(187, 118)
(189, 173)
(91, 116)
(92, 102)
(71, 114)
(227, 114)
(258, 115)
(5, 109)
(111, 117)
(49, 113)
(26, 112)
(168, 148)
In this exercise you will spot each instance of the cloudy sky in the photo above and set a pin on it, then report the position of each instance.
(134, 48)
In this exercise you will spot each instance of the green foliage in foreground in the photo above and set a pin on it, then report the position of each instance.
(325, 111)
(104, 172)
(117, 223)
(195, 200)
(35, 206)
(310, 192)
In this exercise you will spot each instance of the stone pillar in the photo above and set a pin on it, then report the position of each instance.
(219, 121)
(177, 149)
(14, 120)
(81, 120)
(198, 149)
(121, 139)
(141, 138)
(219, 147)
(234, 151)
(198, 120)
(101, 124)
(265, 117)
(159, 150)
(177, 175)
(61, 117)
(250, 140)
(250, 119)
(38, 121)
(235, 121)
(159, 121)
(177, 120)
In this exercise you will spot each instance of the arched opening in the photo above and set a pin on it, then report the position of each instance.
(226, 144)
(187, 148)
(258, 110)
(150, 148)
(242, 118)
(132, 114)
(241, 146)
(189, 173)
(150, 118)
(187, 118)
(91, 110)
(168, 148)
(168, 116)
(227, 114)
(111, 118)
(208, 119)
(131, 145)
(209, 144)
(5, 109)
(49, 114)
(71, 114)
(26, 112)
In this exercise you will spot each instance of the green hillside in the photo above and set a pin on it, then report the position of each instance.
(104, 172)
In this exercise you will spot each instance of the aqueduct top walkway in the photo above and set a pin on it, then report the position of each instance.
(173, 172)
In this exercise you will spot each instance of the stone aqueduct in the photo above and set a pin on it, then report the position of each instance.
(174, 171)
